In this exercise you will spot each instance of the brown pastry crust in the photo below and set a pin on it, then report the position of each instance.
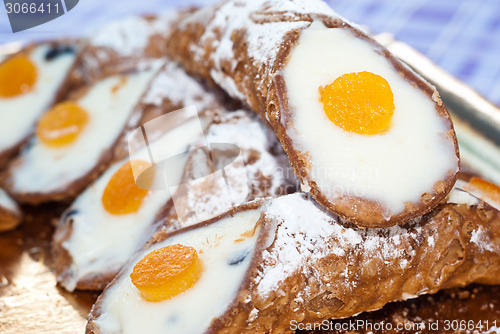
(454, 261)
(62, 260)
(471, 310)
(452, 246)
(260, 183)
(7, 154)
(260, 85)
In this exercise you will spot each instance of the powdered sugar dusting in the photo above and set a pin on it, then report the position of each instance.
(256, 172)
(263, 46)
(253, 314)
(227, 83)
(174, 84)
(253, 137)
(241, 128)
(482, 240)
(263, 39)
(494, 329)
(305, 233)
(129, 35)
(431, 241)
(461, 194)
(301, 7)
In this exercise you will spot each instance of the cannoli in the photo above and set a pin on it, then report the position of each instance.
(31, 80)
(10, 214)
(87, 224)
(242, 162)
(170, 90)
(123, 43)
(89, 248)
(114, 216)
(367, 137)
(74, 140)
(265, 264)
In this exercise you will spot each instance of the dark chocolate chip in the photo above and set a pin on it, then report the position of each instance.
(237, 258)
(57, 51)
(68, 216)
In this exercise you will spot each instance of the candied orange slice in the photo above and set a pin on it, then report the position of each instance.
(360, 102)
(489, 190)
(62, 124)
(167, 272)
(121, 195)
(17, 76)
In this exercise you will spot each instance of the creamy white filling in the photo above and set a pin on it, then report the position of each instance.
(7, 202)
(459, 195)
(391, 168)
(102, 242)
(125, 311)
(45, 169)
(476, 194)
(19, 114)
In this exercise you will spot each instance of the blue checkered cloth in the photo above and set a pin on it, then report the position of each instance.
(461, 36)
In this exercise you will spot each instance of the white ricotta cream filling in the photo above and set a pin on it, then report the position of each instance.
(109, 104)
(19, 114)
(7, 202)
(225, 261)
(459, 195)
(102, 242)
(391, 168)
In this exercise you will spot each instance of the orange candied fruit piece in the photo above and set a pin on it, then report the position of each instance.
(121, 195)
(359, 102)
(167, 272)
(17, 76)
(488, 189)
(62, 124)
